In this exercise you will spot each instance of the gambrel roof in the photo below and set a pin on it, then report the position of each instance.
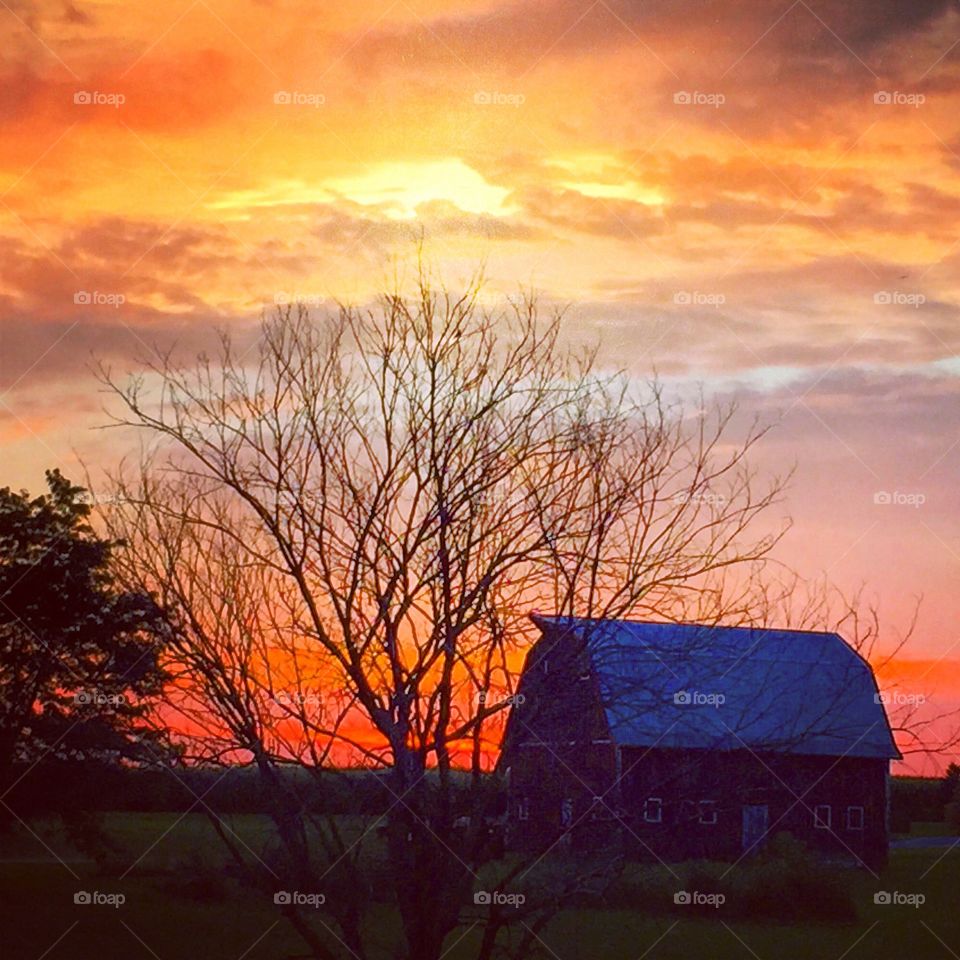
(690, 686)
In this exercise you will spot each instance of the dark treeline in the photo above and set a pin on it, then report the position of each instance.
(921, 799)
(69, 787)
(57, 788)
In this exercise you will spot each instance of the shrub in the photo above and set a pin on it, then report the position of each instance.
(786, 883)
(197, 879)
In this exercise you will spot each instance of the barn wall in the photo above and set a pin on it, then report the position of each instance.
(569, 783)
(558, 748)
(678, 781)
(791, 787)
(543, 778)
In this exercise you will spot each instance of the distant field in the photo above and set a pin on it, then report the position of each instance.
(934, 828)
(161, 842)
(165, 917)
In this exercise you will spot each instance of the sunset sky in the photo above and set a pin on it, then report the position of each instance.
(763, 198)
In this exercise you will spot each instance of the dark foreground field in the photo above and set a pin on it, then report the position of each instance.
(178, 906)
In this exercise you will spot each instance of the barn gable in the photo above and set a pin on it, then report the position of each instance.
(686, 686)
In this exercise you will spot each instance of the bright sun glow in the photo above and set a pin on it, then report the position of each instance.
(616, 191)
(603, 176)
(397, 189)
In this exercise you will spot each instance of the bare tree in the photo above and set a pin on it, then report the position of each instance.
(347, 528)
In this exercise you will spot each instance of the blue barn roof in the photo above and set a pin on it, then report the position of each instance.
(726, 688)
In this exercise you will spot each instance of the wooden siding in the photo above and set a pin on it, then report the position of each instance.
(569, 784)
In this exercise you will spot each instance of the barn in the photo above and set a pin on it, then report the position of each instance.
(676, 741)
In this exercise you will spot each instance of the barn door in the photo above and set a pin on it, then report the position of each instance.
(755, 822)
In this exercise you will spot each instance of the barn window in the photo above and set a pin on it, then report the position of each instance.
(653, 810)
(523, 808)
(821, 816)
(708, 811)
(854, 818)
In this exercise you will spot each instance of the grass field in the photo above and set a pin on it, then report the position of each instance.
(165, 915)
(923, 828)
